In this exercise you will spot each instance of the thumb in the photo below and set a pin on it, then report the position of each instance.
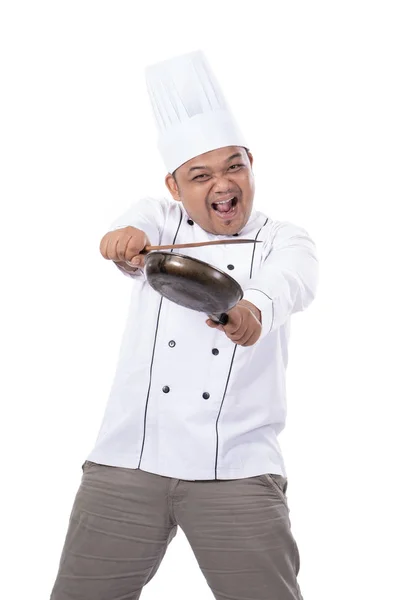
(214, 325)
(137, 261)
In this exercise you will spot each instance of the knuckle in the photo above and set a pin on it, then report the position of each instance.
(133, 245)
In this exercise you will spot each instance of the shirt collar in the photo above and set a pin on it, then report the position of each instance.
(255, 221)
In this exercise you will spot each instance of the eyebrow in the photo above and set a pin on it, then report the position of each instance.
(237, 155)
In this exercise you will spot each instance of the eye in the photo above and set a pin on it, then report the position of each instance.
(235, 167)
(200, 177)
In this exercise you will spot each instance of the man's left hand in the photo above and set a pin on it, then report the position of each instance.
(244, 325)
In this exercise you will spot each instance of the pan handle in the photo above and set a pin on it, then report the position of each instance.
(221, 319)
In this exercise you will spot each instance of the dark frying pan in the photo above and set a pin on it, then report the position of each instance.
(193, 283)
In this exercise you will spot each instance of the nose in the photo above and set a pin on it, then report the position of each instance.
(222, 185)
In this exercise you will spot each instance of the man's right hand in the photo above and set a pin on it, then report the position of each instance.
(123, 246)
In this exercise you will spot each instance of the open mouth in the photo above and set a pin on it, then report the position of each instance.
(225, 207)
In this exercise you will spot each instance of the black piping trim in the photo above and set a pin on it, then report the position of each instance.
(233, 358)
(254, 248)
(220, 409)
(273, 316)
(152, 358)
(177, 231)
(261, 292)
(148, 390)
(273, 307)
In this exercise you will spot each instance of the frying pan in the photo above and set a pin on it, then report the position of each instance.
(192, 283)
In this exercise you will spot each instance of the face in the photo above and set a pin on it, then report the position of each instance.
(216, 189)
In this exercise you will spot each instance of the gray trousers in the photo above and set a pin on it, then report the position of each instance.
(122, 521)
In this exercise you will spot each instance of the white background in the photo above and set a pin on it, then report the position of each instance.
(315, 87)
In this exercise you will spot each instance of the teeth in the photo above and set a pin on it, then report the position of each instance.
(225, 201)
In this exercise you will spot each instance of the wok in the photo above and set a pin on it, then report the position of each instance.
(192, 283)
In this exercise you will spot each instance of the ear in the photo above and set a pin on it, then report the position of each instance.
(172, 187)
(249, 154)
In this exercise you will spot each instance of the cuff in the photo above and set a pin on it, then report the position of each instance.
(265, 305)
(130, 274)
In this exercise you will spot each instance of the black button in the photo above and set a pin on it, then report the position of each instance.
(206, 395)
(165, 389)
(190, 222)
(231, 267)
(235, 234)
(215, 351)
(171, 344)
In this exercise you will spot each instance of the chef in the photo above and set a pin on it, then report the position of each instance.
(190, 433)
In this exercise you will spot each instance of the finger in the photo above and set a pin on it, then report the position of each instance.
(244, 340)
(255, 334)
(107, 249)
(247, 324)
(239, 339)
(121, 246)
(214, 325)
(233, 330)
(135, 245)
(238, 334)
(112, 253)
(103, 246)
(234, 324)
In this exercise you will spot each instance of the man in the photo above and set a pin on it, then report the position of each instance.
(189, 437)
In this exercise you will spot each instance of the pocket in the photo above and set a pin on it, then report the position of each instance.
(86, 465)
(277, 482)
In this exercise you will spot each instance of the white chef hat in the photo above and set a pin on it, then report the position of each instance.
(191, 112)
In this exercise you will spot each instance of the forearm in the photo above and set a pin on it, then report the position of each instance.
(287, 280)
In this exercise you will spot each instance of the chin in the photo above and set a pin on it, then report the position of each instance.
(227, 229)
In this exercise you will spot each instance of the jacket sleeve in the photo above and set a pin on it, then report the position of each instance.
(287, 280)
(147, 214)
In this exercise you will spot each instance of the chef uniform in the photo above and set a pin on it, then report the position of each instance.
(187, 403)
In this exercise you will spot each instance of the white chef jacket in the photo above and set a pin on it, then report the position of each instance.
(186, 401)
